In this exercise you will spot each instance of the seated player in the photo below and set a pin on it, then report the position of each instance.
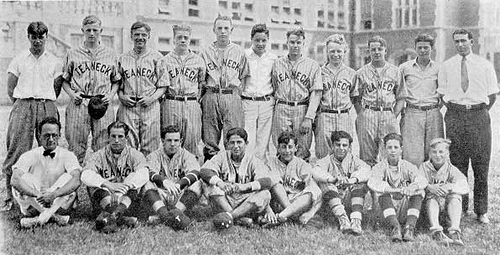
(399, 186)
(444, 192)
(174, 174)
(236, 182)
(45, 179)
(297, 193)
(344, 185)
(115, 175)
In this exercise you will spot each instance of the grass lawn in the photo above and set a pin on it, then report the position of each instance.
(80, 238)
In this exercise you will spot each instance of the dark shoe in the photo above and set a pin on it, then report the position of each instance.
(177, 220)
(126, 221)
(223, 220)
(396, 234)
(106, 222)
(440, 237)
(408, 234)
(266, 224)
(244, 222)
(456, 236)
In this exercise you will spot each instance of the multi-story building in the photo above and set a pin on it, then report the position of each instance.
(398, 21)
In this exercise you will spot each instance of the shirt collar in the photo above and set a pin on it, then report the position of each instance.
(414, 63)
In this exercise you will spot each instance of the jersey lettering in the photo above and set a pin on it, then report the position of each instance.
(93, 66)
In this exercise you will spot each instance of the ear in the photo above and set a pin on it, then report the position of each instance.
(471, 41)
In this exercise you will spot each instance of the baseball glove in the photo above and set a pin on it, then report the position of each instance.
(97, 108)
(223, 220)
(177, 220)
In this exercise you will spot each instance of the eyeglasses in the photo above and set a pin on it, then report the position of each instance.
(48, 136)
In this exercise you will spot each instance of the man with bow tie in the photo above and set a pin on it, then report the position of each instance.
(45, 179)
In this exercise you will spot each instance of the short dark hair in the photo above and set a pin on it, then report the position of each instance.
(237, 131)
(49, 120)
(139, 24)
(378, 39)
(425, 38)
(296, 31)
(337, 135)
(286, 136)
(393, 136)
(259, 28)
(170, 129)
(223, 17)
(462, 31)
(119, 124)
(37, 28)
(91, 19)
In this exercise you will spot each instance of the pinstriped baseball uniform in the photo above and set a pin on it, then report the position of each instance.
(226, 68)
(293, 83)
(140, 78)
(338, 89)
(420, 126)
(183, 75)
(91, 72)
(377, 91)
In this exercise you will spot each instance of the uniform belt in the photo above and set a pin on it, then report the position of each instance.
(219, 90)
(334, 111)
(36, 99)
(181, 98)
(423, 108)
(470, 107)
(292, 103)
(378, 109)
(87, 96)
(262, 98)
(137, 99)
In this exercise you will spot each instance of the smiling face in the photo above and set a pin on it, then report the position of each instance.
(49, 136)
(394, 150)
(140, 37)
(92, 33)
(439, 154)
(117, 140)
(237, 146)
(341, 148)
(259, 42)
(335, 53)
(463, 44)
(37, 42)
(286, 151)
(424, 50)
(377, 52)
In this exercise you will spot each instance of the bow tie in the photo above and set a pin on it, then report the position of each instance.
(46, 153)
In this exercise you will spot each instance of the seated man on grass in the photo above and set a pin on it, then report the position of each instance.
(444, 192)
(297, 193)
(236, 182)
(344, 184)
(46, 178)
(399, 186)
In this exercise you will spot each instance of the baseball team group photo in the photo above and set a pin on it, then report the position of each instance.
(229, 149)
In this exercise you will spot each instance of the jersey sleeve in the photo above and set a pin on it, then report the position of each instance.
(210, 171)
(376, 181)
(458, 182)
(90, 175)
(320, 170)
(362, 171)
(417, 177)
(245, 66)
(354, 86)
(68, 64)
(140, 176)
(71, 163)
(115, 74)
(317, 78)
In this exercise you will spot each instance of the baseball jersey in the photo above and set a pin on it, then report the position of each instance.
(44, 168)
(250, 168)
(103, 165)
(225, 67)
(294, 81)
(338, 88)
(350, 167)
(404, 174)
(380, 90)
(420, 86)
(174, 168)
(295, 176)
(447, 174)
(183, 74)
(91, 71)
(140, 73)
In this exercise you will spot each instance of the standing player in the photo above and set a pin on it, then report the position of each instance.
(422, 120)
(46, 178)
(297, 87)
(444, 192)
(174, 174)
(469, 85)
(338, 91)
(400, 187)
(258, 102)
(237, 182)
(30, 81)
(140, 89)
(227, 68)
(380, 100)
(184, 75)
(297, 193)
(89, 70)
(345, 184)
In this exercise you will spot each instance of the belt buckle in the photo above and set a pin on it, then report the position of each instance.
(295, 104)
(468, 107)
(254, 98)
(381, 108)
(185, 98)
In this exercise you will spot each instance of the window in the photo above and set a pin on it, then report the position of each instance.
(193, 2)
(286, 10)
(297, 11)
(366, 11)
(195, 42)
(164, 7)
(108, 41)
(406, 13)
(236, 5)
(237, 42)
(193, 13)
(249, 7)
(362, 55)
(285, 46)
(223, 4)
(163, 40)
(248, 19)
(321, 14)
(236, 16)
(76, 39)
(275, 9)
(275, 46)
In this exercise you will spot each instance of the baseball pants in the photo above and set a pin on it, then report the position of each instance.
(260, 198)
(470, 135)
(221, 112)
(289, 118)
(258, 123)
(351, 197)
(372, 126)
(144, 126)
(418, 128)
(401, 210)
(326, 124)
(79, 125)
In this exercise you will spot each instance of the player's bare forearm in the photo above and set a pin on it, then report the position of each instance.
(58, 82)
(11, 85)
(398, 107)
(70, 186)
(493, 99)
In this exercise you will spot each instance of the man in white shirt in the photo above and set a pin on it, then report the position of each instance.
(33, 101)
(45, 179)
(257, 95)
(468, 84)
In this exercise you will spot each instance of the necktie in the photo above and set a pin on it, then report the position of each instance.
(464, 75)
(46, 153)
